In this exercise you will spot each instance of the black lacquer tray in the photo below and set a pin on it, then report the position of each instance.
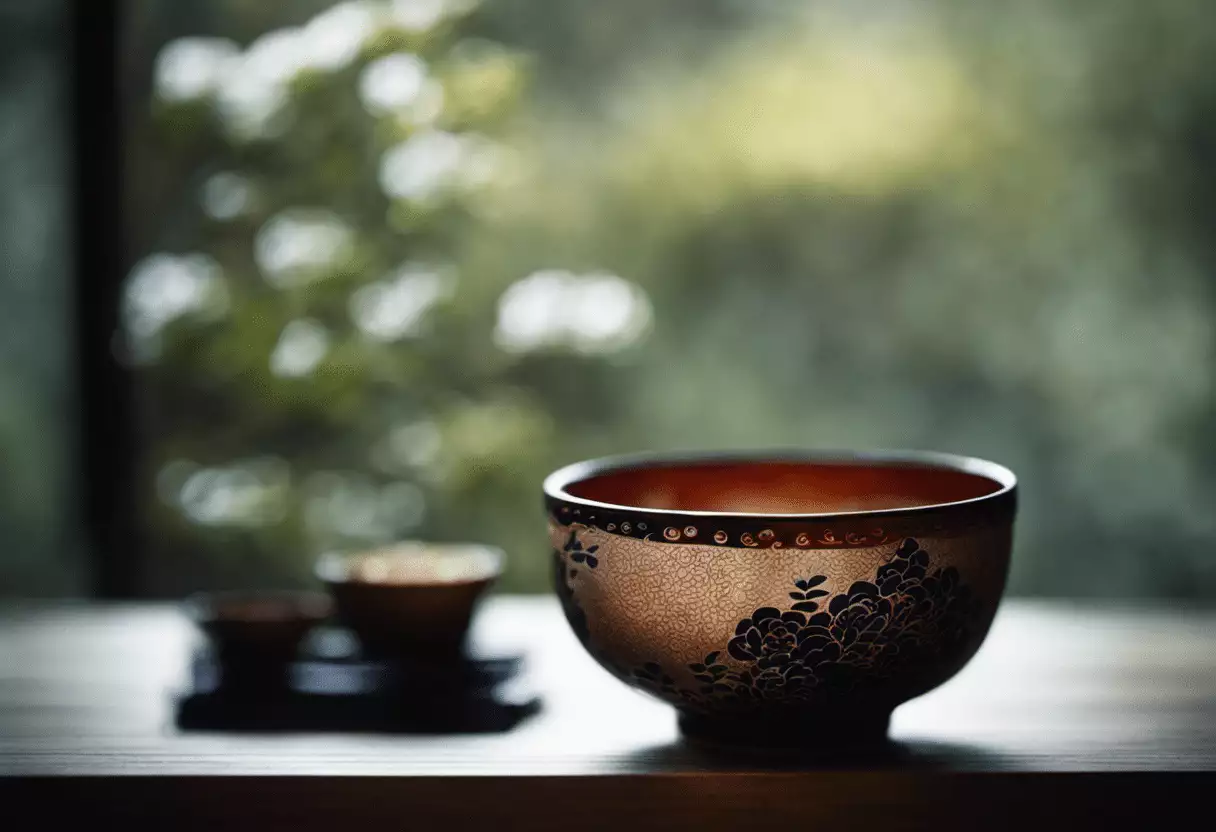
(327, 690)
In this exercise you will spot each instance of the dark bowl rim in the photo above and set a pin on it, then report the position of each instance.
(555, 485)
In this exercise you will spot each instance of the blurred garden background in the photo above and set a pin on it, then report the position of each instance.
(395, 261)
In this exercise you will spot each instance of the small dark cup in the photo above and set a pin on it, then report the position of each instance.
(412, 601)
(255, 635)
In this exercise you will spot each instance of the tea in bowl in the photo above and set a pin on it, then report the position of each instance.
(413, 600)
(785, 601)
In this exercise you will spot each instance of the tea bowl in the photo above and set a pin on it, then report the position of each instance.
(790, 600)
(254, 635)
(412, 600)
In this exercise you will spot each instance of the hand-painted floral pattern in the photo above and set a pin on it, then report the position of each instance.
(578, 554)
(898, 623)
(570, 606)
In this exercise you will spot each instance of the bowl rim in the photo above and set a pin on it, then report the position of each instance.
(332, 568)
(556, 484)
(207, 607)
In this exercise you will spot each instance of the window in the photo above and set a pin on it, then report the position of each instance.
(39, 518)
(394, 261)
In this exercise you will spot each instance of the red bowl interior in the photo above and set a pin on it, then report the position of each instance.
(783, 487)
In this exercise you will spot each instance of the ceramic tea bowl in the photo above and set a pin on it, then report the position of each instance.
(412, 601)
(255, 635)
(791, 600)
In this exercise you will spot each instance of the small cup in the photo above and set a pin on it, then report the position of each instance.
(255, 635)
(413, 600)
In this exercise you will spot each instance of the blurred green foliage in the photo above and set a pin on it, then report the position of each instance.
(976, 227)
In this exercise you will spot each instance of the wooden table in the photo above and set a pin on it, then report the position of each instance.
(1070, 713)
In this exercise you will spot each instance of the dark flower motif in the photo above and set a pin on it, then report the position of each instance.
(767, 636)
(652, 677)
(710, 674)
(895, 623)
(570, 606)
(806, 592)
(578, 554)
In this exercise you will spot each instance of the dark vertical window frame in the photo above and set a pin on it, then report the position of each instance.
(107, 430)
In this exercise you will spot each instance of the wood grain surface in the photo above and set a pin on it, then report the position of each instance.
(1070, 713)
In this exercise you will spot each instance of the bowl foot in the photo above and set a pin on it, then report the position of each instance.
(795, 733)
